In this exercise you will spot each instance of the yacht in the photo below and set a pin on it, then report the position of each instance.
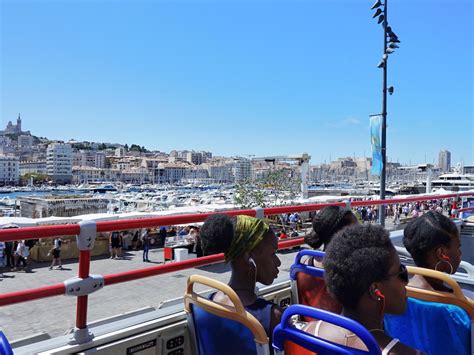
(454, 182)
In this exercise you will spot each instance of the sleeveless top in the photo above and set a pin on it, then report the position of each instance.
(261, 309)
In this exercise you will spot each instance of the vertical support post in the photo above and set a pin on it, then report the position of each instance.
(259, 212)
(384, 118)
(81, 309)
(304, 176)
(85, 243)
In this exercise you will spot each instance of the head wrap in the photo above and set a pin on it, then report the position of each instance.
(248, 233)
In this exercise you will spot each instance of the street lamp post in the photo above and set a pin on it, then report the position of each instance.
(390, 41)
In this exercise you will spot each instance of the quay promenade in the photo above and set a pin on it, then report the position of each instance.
(56, 315)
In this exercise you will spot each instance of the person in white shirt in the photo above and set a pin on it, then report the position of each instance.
(21, 254)
(56, 251)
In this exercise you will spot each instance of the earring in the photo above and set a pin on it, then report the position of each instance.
(445, 259)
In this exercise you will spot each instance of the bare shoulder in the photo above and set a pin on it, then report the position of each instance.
(275, 316)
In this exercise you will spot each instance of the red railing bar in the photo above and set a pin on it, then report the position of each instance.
(32, 294)
(40, 232)
(56, 290)
(465, 209)
(81, 307)
(108, 226)
(177, 266)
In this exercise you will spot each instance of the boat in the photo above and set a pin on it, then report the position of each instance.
(164, 329)
(103, 189)
(454, 182)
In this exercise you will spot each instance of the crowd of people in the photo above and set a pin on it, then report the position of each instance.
(145, 239)
(404, 212)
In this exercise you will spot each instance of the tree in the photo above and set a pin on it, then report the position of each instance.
(271, 189)
(247, 195)
(37, 178)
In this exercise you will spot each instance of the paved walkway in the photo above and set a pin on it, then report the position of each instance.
(55, 315)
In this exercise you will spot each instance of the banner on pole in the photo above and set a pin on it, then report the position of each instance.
(376, 143)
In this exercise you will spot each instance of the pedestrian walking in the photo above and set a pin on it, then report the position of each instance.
(56, 252)
(146, 245)
(115, 243)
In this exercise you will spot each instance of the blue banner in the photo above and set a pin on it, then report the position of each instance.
(376, 144)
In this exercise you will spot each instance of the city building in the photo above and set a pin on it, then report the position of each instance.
(9, 170)
(25, 141)
(171, 172)
(89, 158)
(444, 161)
(59, 163)
(194, 157)
(221, 173)
(33, 167)
(242, 169)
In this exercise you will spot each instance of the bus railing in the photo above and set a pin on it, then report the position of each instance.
(86, 232)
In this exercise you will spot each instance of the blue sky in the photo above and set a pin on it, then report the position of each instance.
(258, 77)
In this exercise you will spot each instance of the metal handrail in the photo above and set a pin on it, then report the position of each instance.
(41, 232)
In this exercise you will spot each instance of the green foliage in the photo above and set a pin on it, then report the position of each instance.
(275, 185)
(37, 178)
(137, 148)
(247, 195)
(82, 146)
(12, 136)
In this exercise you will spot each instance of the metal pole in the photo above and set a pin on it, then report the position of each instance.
(384, 118)
(81, 309)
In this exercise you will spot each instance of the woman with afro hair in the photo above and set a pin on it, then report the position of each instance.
(364, 274)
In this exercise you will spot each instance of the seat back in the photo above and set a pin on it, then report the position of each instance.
(308, 286)
(220, 329)
(285, 333)
(435, 322)
(5, 348)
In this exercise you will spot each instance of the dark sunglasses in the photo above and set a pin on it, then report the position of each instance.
(402, 274)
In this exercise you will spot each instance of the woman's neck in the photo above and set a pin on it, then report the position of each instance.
(368, 320)
(244, 287)
(436, 284)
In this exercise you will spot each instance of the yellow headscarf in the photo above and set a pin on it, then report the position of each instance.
(249, 232)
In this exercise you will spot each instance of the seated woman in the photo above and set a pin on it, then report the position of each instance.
(250, 247)
(363, 272)
(433, 242)
(326, 223)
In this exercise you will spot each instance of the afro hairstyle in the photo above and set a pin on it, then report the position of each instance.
(357, 256)
(326, 223)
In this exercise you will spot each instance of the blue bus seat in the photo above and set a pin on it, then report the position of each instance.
(221, 329)
(286, 332)
(435, 322)
(5, 348)
(308, 286)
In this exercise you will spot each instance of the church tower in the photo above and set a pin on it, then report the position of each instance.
(18, 123)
